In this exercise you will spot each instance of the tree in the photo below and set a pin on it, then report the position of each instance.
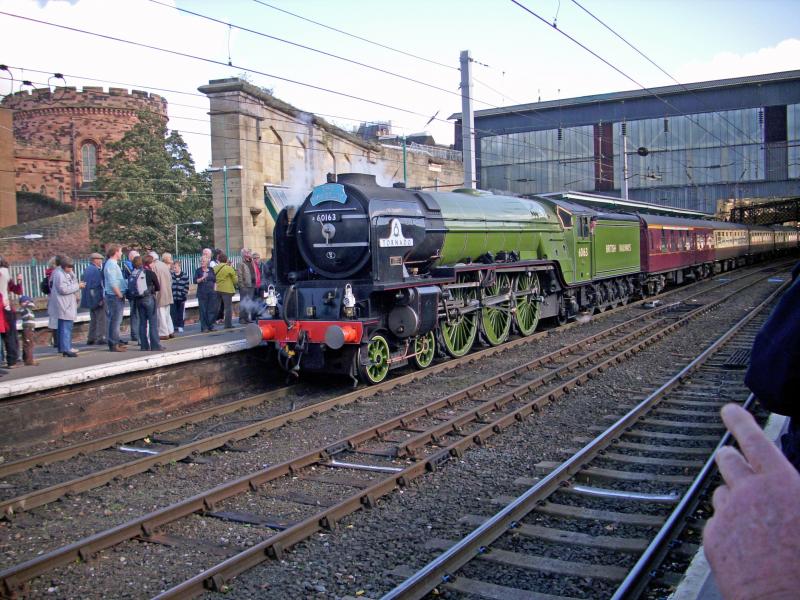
(148, 186)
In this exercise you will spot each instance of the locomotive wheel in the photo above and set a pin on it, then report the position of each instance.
(377, 366)
(527, 315)
(496, 319)
(424, 350)
(458, 334)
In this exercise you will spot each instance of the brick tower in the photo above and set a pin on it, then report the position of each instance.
(62, 136)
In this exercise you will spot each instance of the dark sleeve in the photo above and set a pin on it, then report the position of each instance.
(774, 372)
(154, 281)
(197, 274)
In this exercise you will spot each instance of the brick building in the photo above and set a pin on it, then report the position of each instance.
(62, 136)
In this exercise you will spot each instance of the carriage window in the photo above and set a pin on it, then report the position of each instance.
(663, 240)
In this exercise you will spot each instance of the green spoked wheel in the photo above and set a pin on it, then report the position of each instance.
(527, 314)
(424, 348)
(496, 319)
(458, 332)
(377, 366)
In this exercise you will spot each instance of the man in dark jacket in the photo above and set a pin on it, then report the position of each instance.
(92, 298)
(127, 269)
(774, 373)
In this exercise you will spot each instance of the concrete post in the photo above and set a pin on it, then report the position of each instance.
(467, 121)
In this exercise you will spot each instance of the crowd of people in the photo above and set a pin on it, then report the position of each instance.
(154, 287)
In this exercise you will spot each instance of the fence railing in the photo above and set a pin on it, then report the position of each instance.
(33, 273)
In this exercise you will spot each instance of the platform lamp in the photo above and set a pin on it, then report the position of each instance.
(27, 236)
(225, 169)
(176, 232)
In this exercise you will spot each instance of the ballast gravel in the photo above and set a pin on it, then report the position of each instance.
(353, 559)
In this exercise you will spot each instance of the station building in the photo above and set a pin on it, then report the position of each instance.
(702, 146)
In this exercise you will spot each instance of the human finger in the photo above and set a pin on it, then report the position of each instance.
(732, 466)
(720, 497)
(756, 448)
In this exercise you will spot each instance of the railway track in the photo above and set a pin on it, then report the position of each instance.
(153, 448)
(338, 479)
(606, 517)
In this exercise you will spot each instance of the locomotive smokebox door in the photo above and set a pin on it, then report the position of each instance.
(333, 231)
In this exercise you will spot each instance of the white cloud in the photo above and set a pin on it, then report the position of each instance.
(29, 46)
(785, 56)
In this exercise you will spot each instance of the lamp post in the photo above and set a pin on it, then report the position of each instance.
(225, 169)
(176, 232)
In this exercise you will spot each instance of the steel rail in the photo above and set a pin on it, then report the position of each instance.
(217, 576)
(123, 437)
(14, 577)
(638, 578)
(51, 493)
(475, 543)
(102, 443)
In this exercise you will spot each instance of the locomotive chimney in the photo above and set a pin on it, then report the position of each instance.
(358, 179)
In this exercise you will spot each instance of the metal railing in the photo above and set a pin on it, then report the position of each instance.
(33, 272)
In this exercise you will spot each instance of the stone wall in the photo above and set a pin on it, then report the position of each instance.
(50, 129)
(276, 143)
(63, 234)
(60, 411)
(32, 207)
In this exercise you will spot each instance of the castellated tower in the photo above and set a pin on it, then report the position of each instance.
(62, 136)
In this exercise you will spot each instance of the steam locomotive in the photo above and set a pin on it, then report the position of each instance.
(369, 278)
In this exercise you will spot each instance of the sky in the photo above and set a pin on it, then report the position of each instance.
(518, 58)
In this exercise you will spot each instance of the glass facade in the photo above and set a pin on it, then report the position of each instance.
(535, 162)
(793, 140)
(724, 147)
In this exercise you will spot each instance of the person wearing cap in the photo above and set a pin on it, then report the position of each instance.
(28, 317)
(65, 286)
(92, 299)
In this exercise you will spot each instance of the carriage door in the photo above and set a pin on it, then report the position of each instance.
(583, 250)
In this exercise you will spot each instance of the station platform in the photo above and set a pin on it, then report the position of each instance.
(96, 362)
(60, 396)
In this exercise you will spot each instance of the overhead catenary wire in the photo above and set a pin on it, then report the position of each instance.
(624, 74)
(520, 144)
(318, 51)
(652, 62)
(325, 150)
(358, 37)
(217, 62)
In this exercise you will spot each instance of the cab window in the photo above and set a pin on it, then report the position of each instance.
(565, 217)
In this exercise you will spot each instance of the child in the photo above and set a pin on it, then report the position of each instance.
(26, 315)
